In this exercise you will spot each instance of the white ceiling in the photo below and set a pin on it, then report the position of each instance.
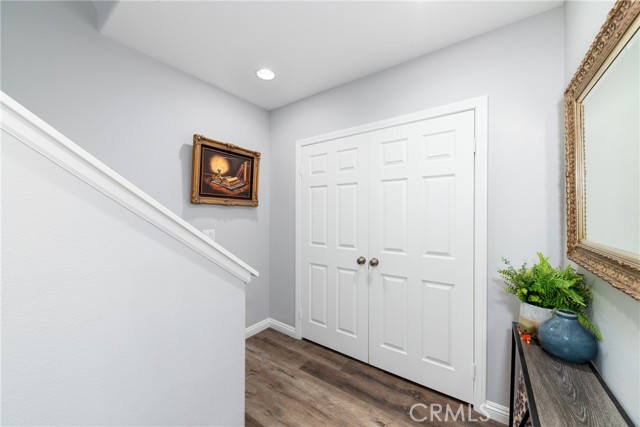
(311, 45)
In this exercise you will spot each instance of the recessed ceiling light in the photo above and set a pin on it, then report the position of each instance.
(265, 74)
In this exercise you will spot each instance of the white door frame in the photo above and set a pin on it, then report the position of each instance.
(480, 107)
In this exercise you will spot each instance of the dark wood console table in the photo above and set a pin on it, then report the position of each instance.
(559, 393)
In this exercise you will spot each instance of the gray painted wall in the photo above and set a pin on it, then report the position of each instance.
(520, 68)
(616, 314)
(84, 343)
(137, 116)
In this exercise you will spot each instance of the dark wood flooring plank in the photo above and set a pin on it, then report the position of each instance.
(249, 421)
(396, 385)
(301, 384)
(290, 397)
(263, 347)
(394, 395)
(309, 349)
(275, 397)
(322, 354)
(368, 392)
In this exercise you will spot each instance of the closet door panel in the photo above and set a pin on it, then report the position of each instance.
(421, 232)
(334, 229)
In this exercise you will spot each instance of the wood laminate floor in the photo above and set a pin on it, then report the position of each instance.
(298, 383)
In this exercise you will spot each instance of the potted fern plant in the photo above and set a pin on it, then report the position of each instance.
(549, 288)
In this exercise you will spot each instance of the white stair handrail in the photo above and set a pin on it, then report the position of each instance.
(43, 138)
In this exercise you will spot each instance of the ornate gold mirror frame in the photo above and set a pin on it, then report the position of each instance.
(615, 266)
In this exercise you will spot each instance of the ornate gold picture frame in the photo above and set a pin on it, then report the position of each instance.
(224, 174)
(616, 266)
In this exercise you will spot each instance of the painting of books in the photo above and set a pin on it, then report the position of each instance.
(224, 173)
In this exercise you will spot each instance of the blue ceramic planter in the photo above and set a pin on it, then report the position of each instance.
(565, 338)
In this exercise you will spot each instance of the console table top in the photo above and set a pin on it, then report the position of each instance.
(566, 394)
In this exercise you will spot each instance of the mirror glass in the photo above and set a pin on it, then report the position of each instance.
(611, 156)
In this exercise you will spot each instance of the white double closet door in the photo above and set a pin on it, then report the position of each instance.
(401, 196)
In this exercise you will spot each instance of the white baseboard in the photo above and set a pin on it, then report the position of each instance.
(257, 328)
(270, 323)
(497, 412)
(282, 327)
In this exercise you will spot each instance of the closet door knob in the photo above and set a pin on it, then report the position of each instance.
(374, 262)
(361, 260)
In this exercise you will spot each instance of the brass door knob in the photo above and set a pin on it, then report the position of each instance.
(374, 262)
(361, 260)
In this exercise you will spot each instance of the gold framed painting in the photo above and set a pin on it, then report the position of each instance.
(224, 174)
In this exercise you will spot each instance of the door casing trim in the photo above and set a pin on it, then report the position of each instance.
(479, 106)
